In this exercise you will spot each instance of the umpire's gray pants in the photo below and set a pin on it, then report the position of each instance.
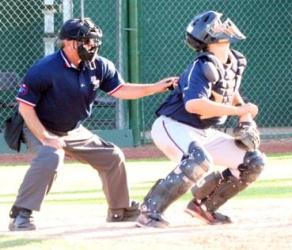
(84, 146)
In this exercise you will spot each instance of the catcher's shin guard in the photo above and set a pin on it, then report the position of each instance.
(228, 187)
(165, 191)
(216, 190)
(206, 186)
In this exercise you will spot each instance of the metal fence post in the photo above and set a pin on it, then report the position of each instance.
(121, 41)
(82, 9)
(49, 38)
(134, 68)
(67, 9)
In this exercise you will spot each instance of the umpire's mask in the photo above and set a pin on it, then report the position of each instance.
(87, 35)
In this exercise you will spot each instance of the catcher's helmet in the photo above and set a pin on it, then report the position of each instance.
(208, 28)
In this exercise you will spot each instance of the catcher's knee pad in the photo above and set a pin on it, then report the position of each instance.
(167, 190)
(195, 164)
(253, 164)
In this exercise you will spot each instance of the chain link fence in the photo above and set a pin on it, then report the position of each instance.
(268, 78)
(161, 51)
(23, 33)
(108, 112)
(21, 43)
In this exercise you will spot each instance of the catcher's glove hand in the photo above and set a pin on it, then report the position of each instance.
(247, 136)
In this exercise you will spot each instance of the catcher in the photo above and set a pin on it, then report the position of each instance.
(185, 130)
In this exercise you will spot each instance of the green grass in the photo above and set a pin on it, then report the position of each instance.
(123, 243)
(17, 243)
(281, 156)
(278, 188)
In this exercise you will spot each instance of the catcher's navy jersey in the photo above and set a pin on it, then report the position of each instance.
(62, 94)
(192, 85)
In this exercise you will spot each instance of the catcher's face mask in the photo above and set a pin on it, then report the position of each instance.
(208, 28)
(225, 30)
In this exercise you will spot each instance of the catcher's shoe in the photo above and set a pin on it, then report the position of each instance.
(147, 219)
(124, 214)
(22, 222)
(212, 218)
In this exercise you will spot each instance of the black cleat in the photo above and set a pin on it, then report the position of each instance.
(212, 218)
(124, 214)
(22, 222)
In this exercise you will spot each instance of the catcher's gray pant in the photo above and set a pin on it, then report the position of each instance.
(84, 146)
(173, 139)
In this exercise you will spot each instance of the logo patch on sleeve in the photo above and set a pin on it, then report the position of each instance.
(23, 90)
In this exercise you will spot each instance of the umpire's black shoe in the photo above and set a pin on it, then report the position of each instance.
(22, 222)
(212, 218)
(124, 214)
(147, 219)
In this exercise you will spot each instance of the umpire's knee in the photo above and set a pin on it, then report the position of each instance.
(118, 155)
(49, 158)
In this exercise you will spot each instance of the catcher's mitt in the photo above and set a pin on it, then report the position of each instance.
(247, 136)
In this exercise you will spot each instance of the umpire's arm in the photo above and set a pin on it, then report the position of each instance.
(36, 127)
(135, 91)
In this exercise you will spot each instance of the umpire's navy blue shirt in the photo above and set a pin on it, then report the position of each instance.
(192, 85)
(61, 94)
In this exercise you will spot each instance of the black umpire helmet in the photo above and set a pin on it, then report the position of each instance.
(80, 30)
(207, 28)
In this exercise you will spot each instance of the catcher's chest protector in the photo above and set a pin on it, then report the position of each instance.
(225, 78)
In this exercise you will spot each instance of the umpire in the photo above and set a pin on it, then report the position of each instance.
(55, 97)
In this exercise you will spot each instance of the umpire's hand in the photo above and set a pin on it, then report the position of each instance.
(166, 84)
(53, 141)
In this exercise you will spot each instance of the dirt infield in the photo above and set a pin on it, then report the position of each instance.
(258, 225)
(150, 151)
